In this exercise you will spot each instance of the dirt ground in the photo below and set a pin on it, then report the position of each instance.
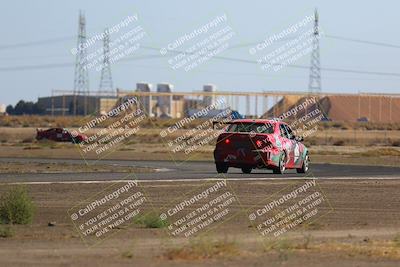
(357, 225)
(362, 147)
(37, 167)
(379, 156)
(360, 227)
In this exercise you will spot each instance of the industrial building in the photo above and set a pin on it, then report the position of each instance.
(70, 104)
(162, 104)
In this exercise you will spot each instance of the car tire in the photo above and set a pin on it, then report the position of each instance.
(246, 169)
(282, 165)
(221, 167)
(305, 166)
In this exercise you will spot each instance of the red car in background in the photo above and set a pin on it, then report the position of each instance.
(59, 135)
(260, 144)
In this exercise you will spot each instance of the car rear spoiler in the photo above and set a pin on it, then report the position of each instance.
(221, 122)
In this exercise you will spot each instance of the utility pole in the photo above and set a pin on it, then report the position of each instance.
(81, 79)
(106, 83)
(314, 85)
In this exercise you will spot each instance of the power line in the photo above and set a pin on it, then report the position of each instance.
(260, 42)
(259, 74)
(36, 43)
(330, 69)
(361, 41)
(67, 38)
(36, 57)
(61, 65)
(291, 66)
(322, 36)
(37, 67)
(68, 64)
(362, 72)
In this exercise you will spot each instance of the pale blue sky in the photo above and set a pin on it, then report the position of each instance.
(164, 21)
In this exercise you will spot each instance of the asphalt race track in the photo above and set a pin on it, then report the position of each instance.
(168, 170)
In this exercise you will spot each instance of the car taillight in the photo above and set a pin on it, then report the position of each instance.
(227, 141)
(259, 143)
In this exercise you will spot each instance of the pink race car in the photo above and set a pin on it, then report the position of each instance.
(260, 144)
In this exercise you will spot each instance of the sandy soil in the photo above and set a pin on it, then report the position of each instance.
(323, 136)
(148, 145)
(319, 154)
(358, 229)
(36, 167)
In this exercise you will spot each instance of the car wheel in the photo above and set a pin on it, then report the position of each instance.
(282, 165)
(247, 169)
(221, 167)
(305, 166)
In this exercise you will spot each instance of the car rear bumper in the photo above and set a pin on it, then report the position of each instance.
(251, 158)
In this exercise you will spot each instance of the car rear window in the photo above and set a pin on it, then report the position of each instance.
(264, 128)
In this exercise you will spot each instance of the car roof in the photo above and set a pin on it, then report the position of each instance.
(55, 128)
(257, 121)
